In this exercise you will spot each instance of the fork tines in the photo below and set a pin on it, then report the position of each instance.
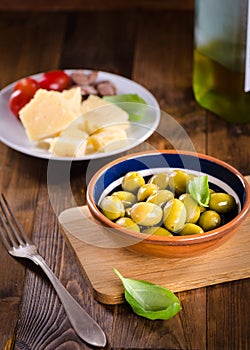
(10, 227)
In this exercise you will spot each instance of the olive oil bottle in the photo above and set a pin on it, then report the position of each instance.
(221, 75)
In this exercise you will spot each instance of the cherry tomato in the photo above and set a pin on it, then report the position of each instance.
(18, 99)
(55, 80)
(22, 93)
(27, 85)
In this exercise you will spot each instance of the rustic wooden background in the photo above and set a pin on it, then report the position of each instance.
(96, 5)
(155, 48)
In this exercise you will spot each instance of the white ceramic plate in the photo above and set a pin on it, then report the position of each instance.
(13, 134)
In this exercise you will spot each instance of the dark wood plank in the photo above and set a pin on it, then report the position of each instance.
(228, 307)
(25, 48)
(229, 142)
(96, 5)
(101, 41)
(12, 271)
(20, 55)
(9, 308)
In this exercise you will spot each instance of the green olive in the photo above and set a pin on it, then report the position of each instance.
(163, 207)
(128, 223)
(222, 202)
(191, 229)
(209, 220)
(157, 231)
(161, 197)
(202, 208)
(178, 181)
(192, 208)
(161, 180)
(127, 212)
(127, 198)
(132, 181)
(112, 207)
(146, 214)
(145, 191)
(175, 215)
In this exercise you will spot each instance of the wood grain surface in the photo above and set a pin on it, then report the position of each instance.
(94, 5)
(154, 48)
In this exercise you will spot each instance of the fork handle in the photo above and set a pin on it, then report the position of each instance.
(84, 325)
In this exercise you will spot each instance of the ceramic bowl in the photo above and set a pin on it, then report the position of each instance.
(220, 174)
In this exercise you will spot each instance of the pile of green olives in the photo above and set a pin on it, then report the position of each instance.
(161, 205)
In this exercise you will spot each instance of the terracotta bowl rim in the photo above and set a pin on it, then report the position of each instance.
(173, 240)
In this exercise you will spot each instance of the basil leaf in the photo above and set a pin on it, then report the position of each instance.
(133, 104)
(150, 300)
(199, 190)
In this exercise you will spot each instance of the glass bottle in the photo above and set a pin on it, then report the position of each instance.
(221, 81)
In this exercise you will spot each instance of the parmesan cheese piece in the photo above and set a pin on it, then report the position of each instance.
(107, 139)
(99, 113)
(50, 112)
(66, 146)
(71, 142)
(92, 102)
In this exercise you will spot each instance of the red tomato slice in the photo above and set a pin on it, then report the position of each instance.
(55, 80)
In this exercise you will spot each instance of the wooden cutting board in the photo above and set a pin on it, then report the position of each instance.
(97, 259)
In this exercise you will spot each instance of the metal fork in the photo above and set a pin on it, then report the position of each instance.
(18, 244)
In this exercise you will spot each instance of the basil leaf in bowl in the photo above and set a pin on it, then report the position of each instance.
(199, 190)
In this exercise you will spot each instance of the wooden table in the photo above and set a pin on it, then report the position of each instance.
(155, 49)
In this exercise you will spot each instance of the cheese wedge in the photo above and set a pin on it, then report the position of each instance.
(71, 142)
(50, 112)
(99, 113)
(106, 140)
(92, 102)
(66, 146)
